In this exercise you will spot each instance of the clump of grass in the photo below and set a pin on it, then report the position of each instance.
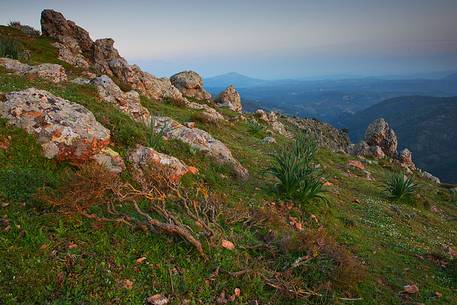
(26, 29)
(10, 48)
(399, 186)
(254, 127)
(293, 165)
(155, 139)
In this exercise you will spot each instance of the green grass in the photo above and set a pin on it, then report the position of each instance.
(391, 245)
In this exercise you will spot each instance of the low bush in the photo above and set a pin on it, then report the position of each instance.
(293, 165)
(399, 186)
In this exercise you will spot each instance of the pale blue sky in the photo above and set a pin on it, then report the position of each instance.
(266, 38)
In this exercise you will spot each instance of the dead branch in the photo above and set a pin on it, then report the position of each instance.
(172, 229)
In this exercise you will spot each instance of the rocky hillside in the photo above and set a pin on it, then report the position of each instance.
(118, 187)
(423, 124)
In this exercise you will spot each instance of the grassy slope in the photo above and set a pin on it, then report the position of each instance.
(391, 240)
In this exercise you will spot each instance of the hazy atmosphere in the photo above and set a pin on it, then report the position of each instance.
(267, 39)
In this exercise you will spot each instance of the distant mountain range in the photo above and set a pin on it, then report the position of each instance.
(426, 125)
(328, 100)
(424, 116)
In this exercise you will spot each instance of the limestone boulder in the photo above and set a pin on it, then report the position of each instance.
(406, 159)
(230, 98)
(65, 130)
(210, 114)
(190, 83)
(128, 102)
(52, 72)
(200, 140)
(380, 134)
(143, 158)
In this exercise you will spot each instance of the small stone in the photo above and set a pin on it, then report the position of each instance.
(356, 164)
(157, 299)
(411, 289)
(227, 244)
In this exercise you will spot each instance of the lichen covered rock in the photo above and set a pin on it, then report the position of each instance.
(406, 159)
(128, 102)
(198, 139)
(230, 98)
(143, 158)
(52, 72)
(190, 84)
(65, 130)
(380, 134)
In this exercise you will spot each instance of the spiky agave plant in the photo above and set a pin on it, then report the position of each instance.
(293, 166)
(399, 186)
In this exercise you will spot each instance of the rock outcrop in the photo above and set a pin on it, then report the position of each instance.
(144, 158)
(380, 134)
(325, 134)
(52, 72)
(230, 98)
(77, 48)
(272, 120)
(198, 139)
(210, 114)
(380, 141)
(65, 130)
(406, 159)
(430, 177)
(128, 102)
(73, 42)
(190, 84)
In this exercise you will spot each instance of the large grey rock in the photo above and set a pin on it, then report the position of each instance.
(52, 72)
(146, 157)
(128, 102)
(65, 130)
(380, 134)
(198, 139)
(190, 84)
(230, 98)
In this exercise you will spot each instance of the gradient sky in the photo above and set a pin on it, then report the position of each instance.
(267, 38)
